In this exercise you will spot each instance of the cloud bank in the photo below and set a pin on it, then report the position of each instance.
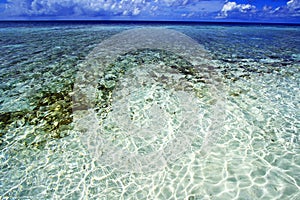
(233, 6)
(287, 12)
(195, 10)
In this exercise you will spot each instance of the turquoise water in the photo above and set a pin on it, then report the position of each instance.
(221, 122)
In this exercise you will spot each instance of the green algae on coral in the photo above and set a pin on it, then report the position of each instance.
(51, 116)
(109, 80)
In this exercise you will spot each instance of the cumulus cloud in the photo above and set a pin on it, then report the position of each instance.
(136, 11)
(111, 8)
(193, 9)
(15, 8)
(293, 4)
(58, 7)
(294, 7)
(283, 13)
(290, 11)
(73, 7)
(233, 6)
(267, 8)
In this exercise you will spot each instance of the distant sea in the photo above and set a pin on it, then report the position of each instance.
(227, 128)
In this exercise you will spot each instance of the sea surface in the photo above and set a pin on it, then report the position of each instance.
(149, 111)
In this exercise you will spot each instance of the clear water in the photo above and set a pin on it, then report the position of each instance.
(148, 100)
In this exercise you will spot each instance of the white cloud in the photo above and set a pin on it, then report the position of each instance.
(78, 8)
(233, 6)
(15, 7)
(136, 11)
(267, 8)
(169, 2)
(185, 2)
(277, 9)
(40, 7)
(291, 9)
(180, 2)
(293, 5)
(154, 8)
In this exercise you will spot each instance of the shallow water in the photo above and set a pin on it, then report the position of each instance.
(148, 100)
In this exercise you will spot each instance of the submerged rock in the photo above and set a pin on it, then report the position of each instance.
(51, 116)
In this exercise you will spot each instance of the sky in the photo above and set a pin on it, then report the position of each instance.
(155, 10)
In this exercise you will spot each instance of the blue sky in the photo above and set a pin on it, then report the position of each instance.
(185, 10)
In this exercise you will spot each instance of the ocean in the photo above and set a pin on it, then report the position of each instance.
(132, 110)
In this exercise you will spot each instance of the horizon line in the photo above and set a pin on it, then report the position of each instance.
(150, 21)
